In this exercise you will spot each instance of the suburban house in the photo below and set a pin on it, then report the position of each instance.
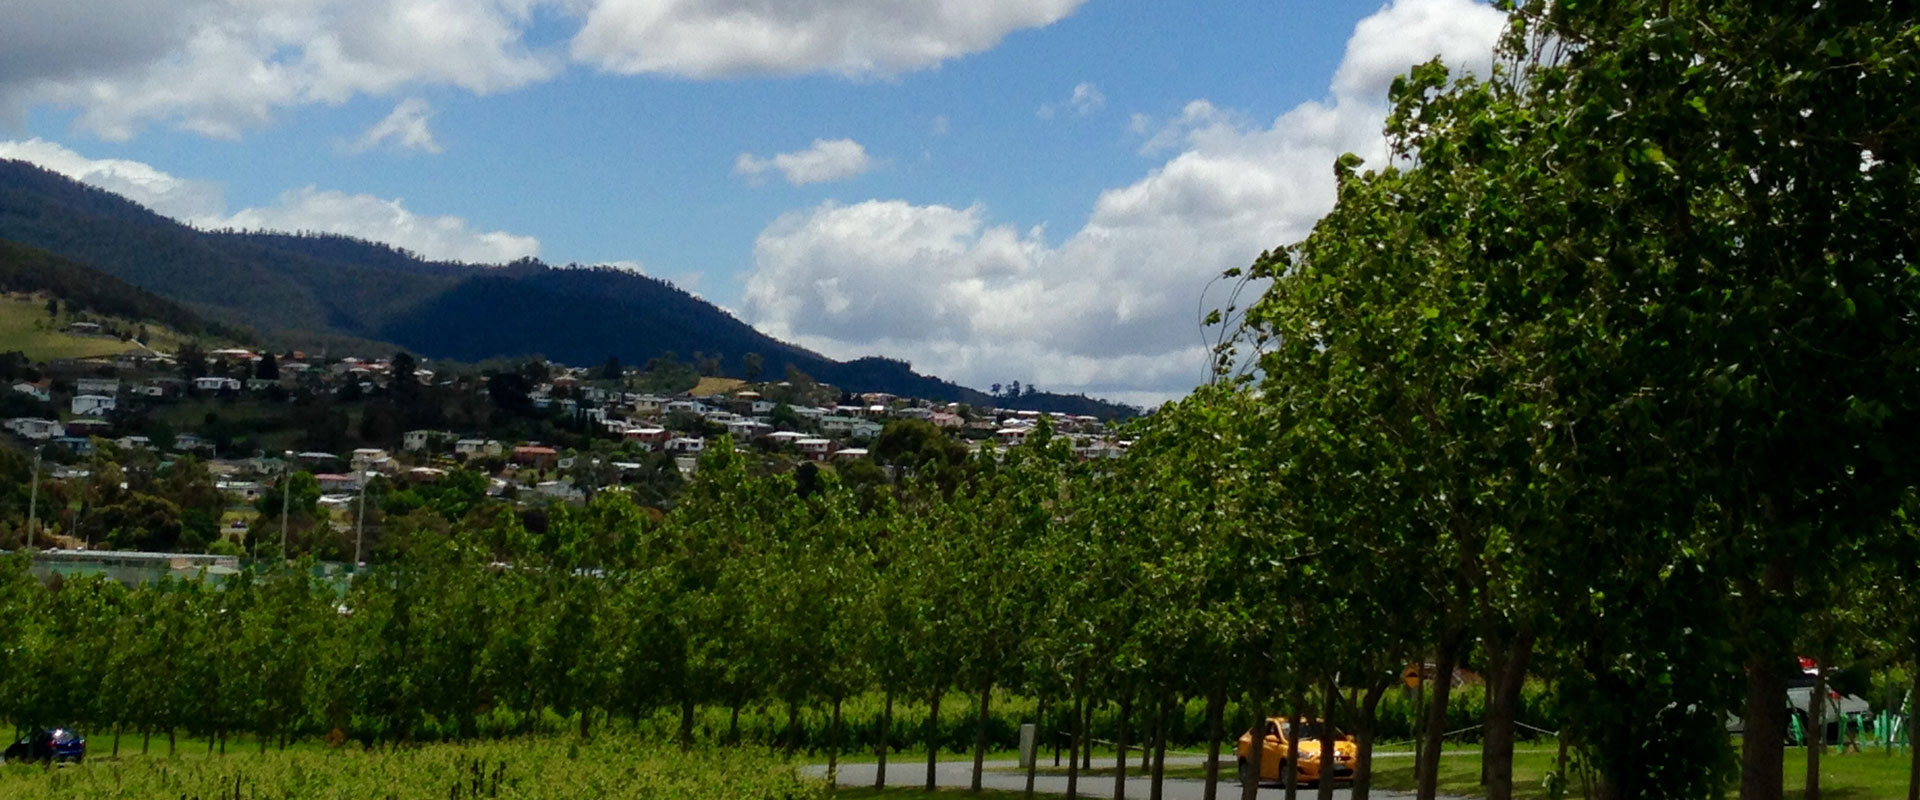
(535, 455)
(215, 383)
(652, 438)
(689, 406)
(88, 427)
(476, 447)
(41, 391)
(92, 405)
(816, 449)
(646, 404)
(189, 442)
(36, 429)
(786, 437)
(232, 355)
(84, 328)
(107, 386)
(416, 441)
(748, 429)
(372, 458)
(1012, 437)
(686, 444)
(761, 407)
(946, 419)
(336, 482)
(134, 443)
(850, 453)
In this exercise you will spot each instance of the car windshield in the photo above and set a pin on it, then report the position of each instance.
(1308, 730)
(62, 736)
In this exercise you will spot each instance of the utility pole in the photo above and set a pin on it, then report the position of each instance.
(360, 519)
(286, 497)
(33, 499)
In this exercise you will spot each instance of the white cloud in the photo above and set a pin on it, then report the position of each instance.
(860, 38)
(404, 129)
(221, 66)
(1114, 309)
(1085, 99)
(941, 125)
(825, 161)
(203, 204)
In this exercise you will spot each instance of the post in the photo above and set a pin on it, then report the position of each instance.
(1029, 739)
(360, 520)
(33, 499)
(286, 497)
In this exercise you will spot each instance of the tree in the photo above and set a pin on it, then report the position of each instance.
(753, 365)
(267, 368)
(611, 370)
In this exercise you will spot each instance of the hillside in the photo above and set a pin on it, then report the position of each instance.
(321, 289)
(30, 277)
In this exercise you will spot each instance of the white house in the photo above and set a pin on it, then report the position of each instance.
(36, 429)
(689, 406)
(865, 429)
(189, 442)
(107, 386)
(1011, 437)
(850, 453)
(764, 406)
(787, 437)
(134, 442)
(838, 424)
(416, 441)
(477, 447)
(215, 383)
(816, 449)
(747, 429)
(42, 391)
(92, 405)
(686, 444)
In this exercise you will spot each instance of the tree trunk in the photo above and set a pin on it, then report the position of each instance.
(1086, 743)
(1816, 729)
(1363, 729)
(1763, 742)
(1329, 753)
(1292, 772)
(1503, 707)
(1437, 718)
(146, 738)
(1120, 747)
(116, 741)
(1039, 728)
(1913, 748)
(886, 728)
(686, 724)
(1074, 745)
(833, 745)
(1216, 708)
(933, 737)
(1161, 710)
(586, 723)
(1256, 752)
(980, 737)
(793, 727)
(733, 724)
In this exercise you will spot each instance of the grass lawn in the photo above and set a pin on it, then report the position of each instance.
(24, 327)
(712, 385)
(904, 792)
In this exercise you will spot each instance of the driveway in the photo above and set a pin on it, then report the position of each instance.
(1008, 775)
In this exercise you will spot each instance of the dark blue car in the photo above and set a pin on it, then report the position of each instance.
(57, 745)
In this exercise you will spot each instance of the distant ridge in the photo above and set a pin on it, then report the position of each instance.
(302, 287)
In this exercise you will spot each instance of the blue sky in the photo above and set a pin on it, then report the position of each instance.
(994, 189)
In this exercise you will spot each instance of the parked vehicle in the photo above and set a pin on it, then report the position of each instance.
(58, 745)
(1275, 755)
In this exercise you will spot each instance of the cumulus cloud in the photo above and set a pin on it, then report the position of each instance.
(404, 129)
(1114, 308)
(203, 204)
(1086, 99)
(728, 38)
(825, 161)
(221, 66)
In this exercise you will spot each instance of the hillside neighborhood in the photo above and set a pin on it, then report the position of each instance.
(545, 432)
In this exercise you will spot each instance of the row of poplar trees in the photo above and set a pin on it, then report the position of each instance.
(1602, 382)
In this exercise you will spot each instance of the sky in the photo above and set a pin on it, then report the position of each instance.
(993, 190)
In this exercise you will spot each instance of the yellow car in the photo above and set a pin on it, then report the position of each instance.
(1311, 766)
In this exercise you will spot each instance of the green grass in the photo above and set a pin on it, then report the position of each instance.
(24, 326)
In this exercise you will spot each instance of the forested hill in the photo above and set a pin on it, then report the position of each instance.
(296, 286)
(31, 270)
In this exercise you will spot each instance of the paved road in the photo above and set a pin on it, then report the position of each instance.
(1008, 775)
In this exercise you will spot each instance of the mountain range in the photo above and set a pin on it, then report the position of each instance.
(323, 290)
